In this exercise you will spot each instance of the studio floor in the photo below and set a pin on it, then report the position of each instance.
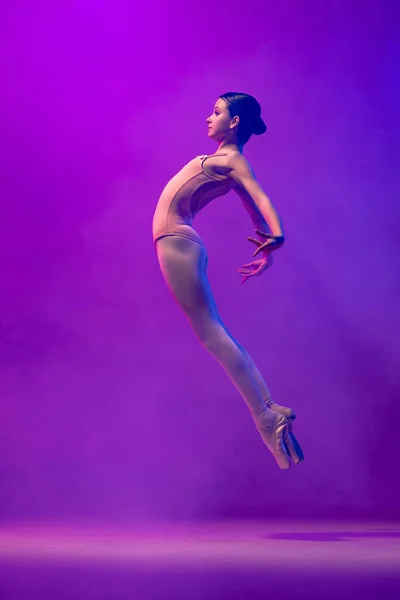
(218, 560)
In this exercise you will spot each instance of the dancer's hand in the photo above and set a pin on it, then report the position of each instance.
(255, 268)
(273, 242)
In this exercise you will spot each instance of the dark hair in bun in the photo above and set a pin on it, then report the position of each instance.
(259, 127)
(248, 110)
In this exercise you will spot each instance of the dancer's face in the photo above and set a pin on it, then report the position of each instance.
(220, 122)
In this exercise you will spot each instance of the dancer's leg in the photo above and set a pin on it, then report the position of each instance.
(266, 394)
(183, 264)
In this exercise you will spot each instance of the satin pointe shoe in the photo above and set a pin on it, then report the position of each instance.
(292, 445)
(273, 429)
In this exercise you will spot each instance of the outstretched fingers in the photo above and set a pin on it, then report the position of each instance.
(265, 234)
(254, 241)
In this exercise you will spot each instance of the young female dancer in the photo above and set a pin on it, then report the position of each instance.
(183, 257)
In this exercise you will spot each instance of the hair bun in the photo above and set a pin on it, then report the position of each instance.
(259, 127)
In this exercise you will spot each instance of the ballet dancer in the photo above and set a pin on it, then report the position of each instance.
(183, 258)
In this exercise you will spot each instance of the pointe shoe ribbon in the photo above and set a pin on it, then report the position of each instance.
(282, 410)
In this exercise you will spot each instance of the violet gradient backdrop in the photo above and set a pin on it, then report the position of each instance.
(109, 407)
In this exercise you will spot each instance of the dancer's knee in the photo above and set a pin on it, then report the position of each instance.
(211, 338)
(219, 344)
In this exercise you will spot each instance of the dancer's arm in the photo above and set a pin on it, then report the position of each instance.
(255, 200)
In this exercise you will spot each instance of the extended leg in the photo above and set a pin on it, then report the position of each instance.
(266, 394)
(183, 264)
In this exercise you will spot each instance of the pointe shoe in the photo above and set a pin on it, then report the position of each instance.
(292, 445)
(273, 429)
(281, 410)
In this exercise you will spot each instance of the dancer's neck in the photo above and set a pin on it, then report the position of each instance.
(225, 147)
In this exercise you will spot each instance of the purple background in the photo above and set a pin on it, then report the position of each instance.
(110, 409)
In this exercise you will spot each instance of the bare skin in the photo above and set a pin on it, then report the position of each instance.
(183, 263)
(223, 129)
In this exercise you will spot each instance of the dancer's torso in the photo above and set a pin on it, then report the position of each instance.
(191, 189)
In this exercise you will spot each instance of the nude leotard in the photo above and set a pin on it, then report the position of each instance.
(190, 190)
(183, 261)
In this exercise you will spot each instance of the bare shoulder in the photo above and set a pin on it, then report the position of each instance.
(239, 165)
(237, 158)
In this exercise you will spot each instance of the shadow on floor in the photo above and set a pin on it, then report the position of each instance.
(334, 536)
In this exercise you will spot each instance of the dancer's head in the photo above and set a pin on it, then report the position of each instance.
(235, 118)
